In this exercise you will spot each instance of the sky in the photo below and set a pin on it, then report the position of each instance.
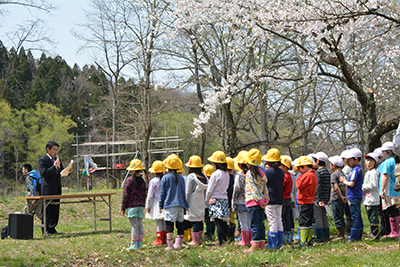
(60, 23)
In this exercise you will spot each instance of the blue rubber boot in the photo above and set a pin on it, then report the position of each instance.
(280, 240)
(354, 235)
(134, 245)
(375, 232)
(272, 240)
(320, 235)
(297, 237)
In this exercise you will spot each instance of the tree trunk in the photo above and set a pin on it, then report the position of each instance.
(264, 123)
(230, 130)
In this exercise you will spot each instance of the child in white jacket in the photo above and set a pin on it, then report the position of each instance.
(371, 195)
(196, 186)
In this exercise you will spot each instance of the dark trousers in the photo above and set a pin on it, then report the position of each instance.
(306, 215)
(170, 227)
(338, 210)
(355, 209)
(348, 213)
(373, 214)
(186, 225)
(385, 224)
(52, 216)
(197, 226)
(287, 215)
(210, 226)
(222, 230)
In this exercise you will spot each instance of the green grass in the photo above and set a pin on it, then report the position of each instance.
(82, 246)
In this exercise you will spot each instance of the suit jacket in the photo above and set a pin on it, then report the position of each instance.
(51, 176)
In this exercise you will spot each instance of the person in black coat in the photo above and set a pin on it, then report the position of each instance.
(50, 168)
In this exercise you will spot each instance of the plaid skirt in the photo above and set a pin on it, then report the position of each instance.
(219, 210)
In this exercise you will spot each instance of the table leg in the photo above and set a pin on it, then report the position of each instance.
(109, 211)
(94, 208)
(44, 218)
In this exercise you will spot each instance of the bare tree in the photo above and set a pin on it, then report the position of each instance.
(105, 34)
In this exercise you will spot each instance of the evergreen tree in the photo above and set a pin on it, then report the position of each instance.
(4, 61)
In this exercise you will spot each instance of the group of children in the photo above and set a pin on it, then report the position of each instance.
(254, 187)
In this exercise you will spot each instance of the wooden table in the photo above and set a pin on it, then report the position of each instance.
(56, 199)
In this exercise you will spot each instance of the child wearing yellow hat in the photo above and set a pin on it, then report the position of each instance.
(153, 197)
(275, 176)
(134, 196)
(208, 169)
(217, 195)
(256, 198)
(306, 185)
(173, 201)
(239, 199)
(196, 186)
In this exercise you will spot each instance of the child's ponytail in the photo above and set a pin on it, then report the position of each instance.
(254, 172)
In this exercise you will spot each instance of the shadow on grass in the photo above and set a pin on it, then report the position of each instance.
(80, 234)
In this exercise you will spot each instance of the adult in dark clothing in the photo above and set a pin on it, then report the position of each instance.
(50, 168)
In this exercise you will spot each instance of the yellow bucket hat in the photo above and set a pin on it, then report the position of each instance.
(231, 163)
(157, 167)
(173, 162)
(273, 155)
(253, 157)
(208, 169)
(286, 161)
(135, 165)
(239, 160)
(194, 162)
(303, 161)
(218, 157)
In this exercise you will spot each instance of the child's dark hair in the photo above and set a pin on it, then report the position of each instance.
(254, 171)
(200, 175)
(274, 165)
(397, 159)
(28, 167)
(176, 175)
(221, 166)
(244, 167)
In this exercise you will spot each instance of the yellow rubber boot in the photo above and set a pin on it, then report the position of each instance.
(309, 238)
(303, 237)
(188, 235)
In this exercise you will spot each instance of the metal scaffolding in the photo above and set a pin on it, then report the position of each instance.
(170, 145)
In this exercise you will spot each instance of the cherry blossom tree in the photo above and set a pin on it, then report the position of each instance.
(335, 40)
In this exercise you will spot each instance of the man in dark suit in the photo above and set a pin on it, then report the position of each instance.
(50, 168)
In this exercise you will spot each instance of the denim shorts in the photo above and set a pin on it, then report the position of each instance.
(174, 214)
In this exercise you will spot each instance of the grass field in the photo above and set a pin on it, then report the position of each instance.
(80, 245)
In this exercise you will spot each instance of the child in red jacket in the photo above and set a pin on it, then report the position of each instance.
(306, 187)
